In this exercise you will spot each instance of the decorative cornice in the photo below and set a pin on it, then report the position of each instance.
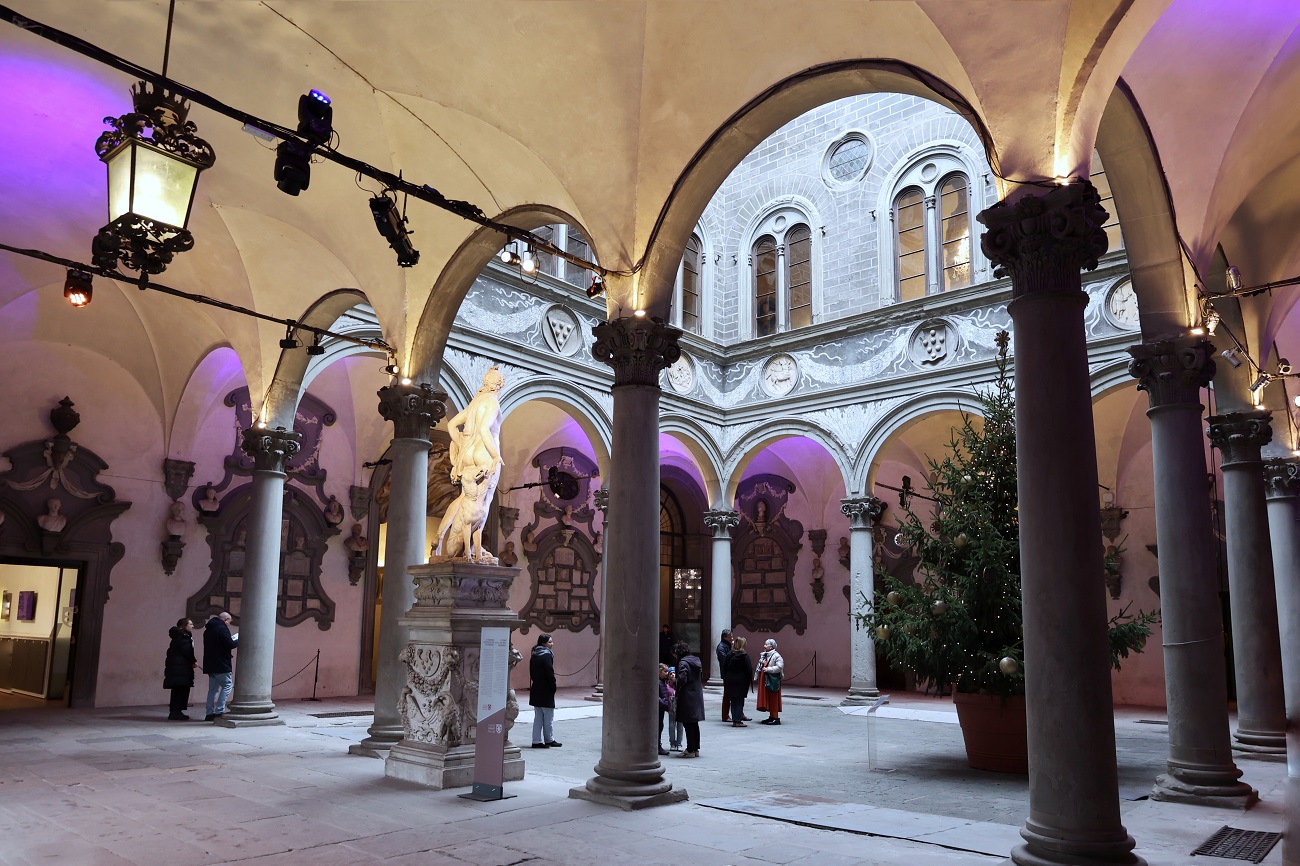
(863, 513)
(1282, 478)
(270, 448)
(1173, 371)
(722, 522)
(1043, 241)
(1240, 435)
(637, 349)
(413, 409)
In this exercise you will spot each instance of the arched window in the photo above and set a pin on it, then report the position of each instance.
(575, 244)
(765, 286)
(910, 240)
(798, 257)
(1098, 178)
(954, 222)
(688, 284)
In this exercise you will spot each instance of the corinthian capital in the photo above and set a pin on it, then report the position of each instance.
(413, 409)
(1240, 435)
(1173, 371)
(1282, 479)
(637, 349)
(1042, 241)
(863, 513)
(270, 448)
(722, 522)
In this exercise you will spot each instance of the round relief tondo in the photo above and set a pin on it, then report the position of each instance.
(847, 159)
(562, 330)
(1121, 306)
(779, 375)
(681, 374)
(933, 342)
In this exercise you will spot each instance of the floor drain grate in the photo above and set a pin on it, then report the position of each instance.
(1250, 845)
(339, 715)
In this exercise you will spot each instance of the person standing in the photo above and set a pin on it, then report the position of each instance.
(737, 671)
(721, 651)
(769, 673)
(178, 668)
(665, 645)
(690, 697)
(676, 732)
(665, 704)
(541, 692)
(219, 646)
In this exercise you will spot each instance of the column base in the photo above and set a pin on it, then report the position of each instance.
(1259, 744)
(1043, 850)
(1227, 795)
(601, 790)
(249, 716)
(380, 742)
(1260, 753)
(860, 697)
(435, 766)
(597, 694)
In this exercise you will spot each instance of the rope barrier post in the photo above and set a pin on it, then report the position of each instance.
(315, 679)
(871, 735)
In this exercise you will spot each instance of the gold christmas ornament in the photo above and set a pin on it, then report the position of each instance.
(939, 608)
(1008, 666)
(883, 632)
(960, 541)
(893, 598)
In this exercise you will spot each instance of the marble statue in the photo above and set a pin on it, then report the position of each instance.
(476, 466)
(356, 543)
(52, 520)
(177, 524)
(508, 556)
(333, 512)
(209, 503)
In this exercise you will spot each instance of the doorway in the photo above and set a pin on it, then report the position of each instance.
(38, 629)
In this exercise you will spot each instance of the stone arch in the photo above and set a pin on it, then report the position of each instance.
(574, 401)
(744, 451)
(464, 266)
(756, 120)
(897, 421)
(459, 393)
(708, 458)
(289, 381)
(1110, 377)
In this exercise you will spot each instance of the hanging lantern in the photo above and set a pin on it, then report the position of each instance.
(154, 159)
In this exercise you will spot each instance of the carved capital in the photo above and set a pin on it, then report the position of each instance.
(863, 513)
(1173, 372)
(1240, 435)
(270, 448)
(1282, 478)
(1043, 241)
(637, 349)
(722, 522)
(413, 409)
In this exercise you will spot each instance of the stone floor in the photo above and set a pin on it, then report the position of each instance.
(123, 786)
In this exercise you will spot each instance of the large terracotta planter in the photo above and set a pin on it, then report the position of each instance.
(995, 732)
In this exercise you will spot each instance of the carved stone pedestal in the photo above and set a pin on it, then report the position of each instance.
(454, 601)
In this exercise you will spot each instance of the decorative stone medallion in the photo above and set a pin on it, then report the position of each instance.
(681, 375)
(562, 330)
(780, 375)
(932, 343)
(1122, 306)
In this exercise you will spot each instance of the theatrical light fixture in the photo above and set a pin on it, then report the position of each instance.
(293, 157)
(640, 314)
(392, 226)
(316, 348)
(292, 167)
(597, 286)
(1197, 331)
(391, 369)
(78, 288)
(1259, 383)
(1230, 355)
(1283, 367)
(289, 342)
(529, 264)
(1233, 278)
(406, 381)
(508, 256)
(154, 159)
(315, 118)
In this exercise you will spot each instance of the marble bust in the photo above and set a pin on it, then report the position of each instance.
(476, 465)
(333, 512)
(177, 524)
(356, 543)
(52, 520)
(209, 503)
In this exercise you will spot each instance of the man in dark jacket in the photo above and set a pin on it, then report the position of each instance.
(541, 692)
(178, 668)
(218, 648)
(722, 650)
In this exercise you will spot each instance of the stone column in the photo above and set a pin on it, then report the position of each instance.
(413, 409)
(1042, 241)
(1200, 767)
(250, 702)
(863, 514)
(721, 522)
(601, 498)
(1256, 649)
(1282, 480)
(629, 774)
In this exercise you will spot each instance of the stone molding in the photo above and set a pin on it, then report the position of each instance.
(270, 448)
(1240, 435)
(1043, 241)
(863, 513)
(1282, 478)
(637, 349)
(413, 409)
(1173, 371)
(722, 522)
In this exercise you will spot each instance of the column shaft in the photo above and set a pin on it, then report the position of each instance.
(722, 522)
(1257, 657)
(863, 514)
(1200, 766)
(1283, 483)
(1043, 241)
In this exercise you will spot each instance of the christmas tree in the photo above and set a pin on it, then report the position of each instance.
(959, 625)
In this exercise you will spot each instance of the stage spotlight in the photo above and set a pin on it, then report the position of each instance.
(293, 167)
(78, 288)
(1230, 355)
(315, 118)
(316, 348)
(289, 342)
(392, 226)
(597, 286)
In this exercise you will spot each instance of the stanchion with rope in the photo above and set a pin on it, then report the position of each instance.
(584, 667)
(315, 677)
(812, 663)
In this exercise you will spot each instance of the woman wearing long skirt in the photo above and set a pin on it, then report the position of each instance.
(770, 671)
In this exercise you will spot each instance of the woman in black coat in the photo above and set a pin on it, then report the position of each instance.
(737, 671)
(690, 697)
(178, 669)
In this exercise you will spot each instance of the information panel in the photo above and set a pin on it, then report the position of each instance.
(490, 735)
